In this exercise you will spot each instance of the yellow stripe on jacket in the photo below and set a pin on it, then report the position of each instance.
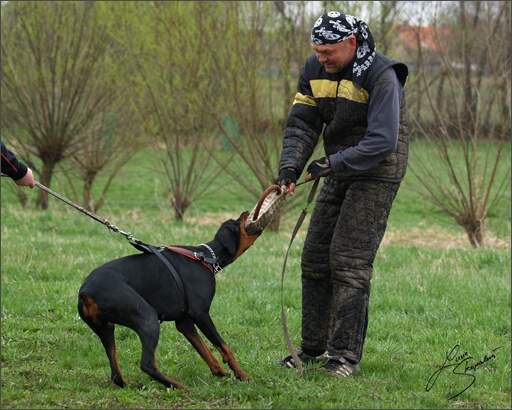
(331, 89)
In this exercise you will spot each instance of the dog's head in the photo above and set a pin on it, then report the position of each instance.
(234, 237)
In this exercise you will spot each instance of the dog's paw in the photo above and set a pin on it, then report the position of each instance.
(220, 373)
(244, 377)
(119, 381)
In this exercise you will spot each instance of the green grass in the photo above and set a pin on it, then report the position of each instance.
(430, 292)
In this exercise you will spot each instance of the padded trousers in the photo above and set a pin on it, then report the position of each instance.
(346, 228)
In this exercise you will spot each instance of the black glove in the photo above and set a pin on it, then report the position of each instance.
(319, 168)
(286, 177)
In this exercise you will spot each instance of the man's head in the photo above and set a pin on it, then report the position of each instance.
(335, 57)
(337, 38)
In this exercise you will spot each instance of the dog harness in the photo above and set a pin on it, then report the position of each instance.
(210, 263)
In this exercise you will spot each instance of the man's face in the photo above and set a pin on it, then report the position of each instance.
(335, 57)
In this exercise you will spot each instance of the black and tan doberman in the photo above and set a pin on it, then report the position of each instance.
(139, 291)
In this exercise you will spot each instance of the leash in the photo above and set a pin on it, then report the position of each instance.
(283, 316)
(133, 241)
(101, 220)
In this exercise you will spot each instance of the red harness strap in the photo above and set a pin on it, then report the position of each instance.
(192, 255)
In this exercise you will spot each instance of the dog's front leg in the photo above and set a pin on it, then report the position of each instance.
(229, 358)
(206, 325)
(187, 328)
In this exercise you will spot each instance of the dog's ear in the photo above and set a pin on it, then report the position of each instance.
(227, 235)
(246, 239)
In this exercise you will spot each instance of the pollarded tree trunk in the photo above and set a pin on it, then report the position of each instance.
(46, 178)
(474, 228)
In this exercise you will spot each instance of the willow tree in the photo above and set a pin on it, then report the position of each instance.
(55, 81)
(170, 48)
(468, 129)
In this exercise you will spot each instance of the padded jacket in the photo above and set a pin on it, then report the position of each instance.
(11, 166)
(363, 119)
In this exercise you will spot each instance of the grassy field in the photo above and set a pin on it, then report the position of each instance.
(436, 303)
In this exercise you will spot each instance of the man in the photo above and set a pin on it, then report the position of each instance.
(15, 169)
(355, 95)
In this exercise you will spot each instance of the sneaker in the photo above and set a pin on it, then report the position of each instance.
(306, 359)
(338, 366)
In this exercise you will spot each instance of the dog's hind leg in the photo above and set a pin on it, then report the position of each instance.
(187, 328)
(206, 325)
(90, 314)
(143, 319)
(127, 308)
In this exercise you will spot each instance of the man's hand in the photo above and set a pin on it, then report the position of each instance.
(318, 168)
(27, 180)
(287, 177)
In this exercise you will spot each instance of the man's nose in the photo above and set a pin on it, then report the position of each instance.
(321, 58)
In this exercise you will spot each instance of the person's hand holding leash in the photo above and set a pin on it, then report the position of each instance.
(318, 168)
(27, 180)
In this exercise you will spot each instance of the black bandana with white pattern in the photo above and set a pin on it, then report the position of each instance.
(334, 27)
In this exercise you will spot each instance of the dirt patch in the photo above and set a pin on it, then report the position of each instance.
(435, 237)
(430, 237)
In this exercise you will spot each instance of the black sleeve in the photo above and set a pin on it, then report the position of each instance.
(303, 127)
(11, 166)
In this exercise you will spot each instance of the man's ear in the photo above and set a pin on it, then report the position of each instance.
(352, 40)
(246, 239)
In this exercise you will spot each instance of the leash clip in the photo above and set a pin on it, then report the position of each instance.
(216, 268)
(199, 256)
(212, 262)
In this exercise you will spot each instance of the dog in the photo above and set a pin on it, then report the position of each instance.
(138, 291)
